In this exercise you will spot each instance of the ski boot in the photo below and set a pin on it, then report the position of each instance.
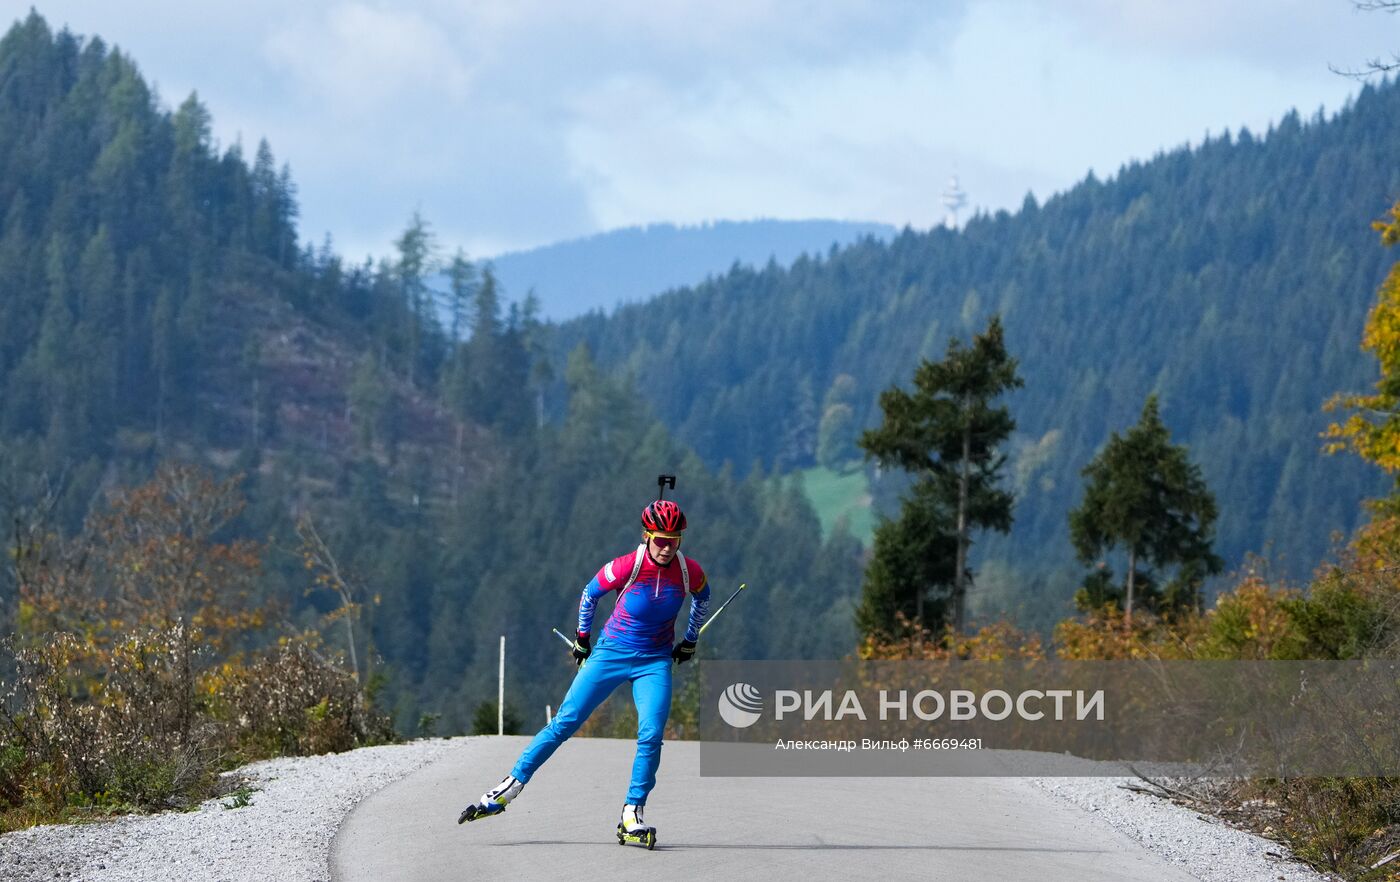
(632, 829)
(493, 801)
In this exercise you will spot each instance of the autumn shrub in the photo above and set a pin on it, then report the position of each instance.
(995, 641)
(1254, 621)
(106, 727)
(137, 676)
(294, 700)
(1106, 633)
(1339, 825)
(138, 726)
(1337, 618)
(1368, 575)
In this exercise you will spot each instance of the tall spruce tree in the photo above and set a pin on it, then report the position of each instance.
(1145, 496)
(462, 280)
(416, 260)
(913, 558)
(946, 434)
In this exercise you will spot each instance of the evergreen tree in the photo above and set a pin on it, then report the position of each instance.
(461, 288)
(912, 560)
(486, 310)
(946, 434)
(491, 374)
(1156, 278)
(535, 336)
(370, 405)
(1145, 496)
(836, 434)
(415, 261)
(801, 432)
(273, 229)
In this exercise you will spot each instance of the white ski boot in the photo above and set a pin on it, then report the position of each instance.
(493, 801)
(632, 829)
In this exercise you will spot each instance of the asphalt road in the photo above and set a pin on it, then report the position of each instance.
(774, 829)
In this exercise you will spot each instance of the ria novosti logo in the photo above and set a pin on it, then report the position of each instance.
(740, 705)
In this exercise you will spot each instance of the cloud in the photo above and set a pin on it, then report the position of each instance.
(516, 123)
(477, 110)
(1282, 36)
(354, 59)
(685, 40)
(1015, 97)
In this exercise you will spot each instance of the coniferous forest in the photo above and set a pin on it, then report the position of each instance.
(258, 500)
(157, 304)
(1231, 280)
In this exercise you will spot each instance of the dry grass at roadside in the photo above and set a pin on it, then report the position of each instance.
(1346, 826)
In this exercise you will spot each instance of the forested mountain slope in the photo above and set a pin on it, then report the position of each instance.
(156, 305)
(1232, 279)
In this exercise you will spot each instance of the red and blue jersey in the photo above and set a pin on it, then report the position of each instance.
(644, 617)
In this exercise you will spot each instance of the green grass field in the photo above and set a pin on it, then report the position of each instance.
(840, 494)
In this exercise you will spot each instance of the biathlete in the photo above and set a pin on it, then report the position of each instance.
(635, 646)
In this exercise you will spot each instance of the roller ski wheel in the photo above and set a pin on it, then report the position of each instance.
(476, 812)
(646, 837)
(493, 801)
(631, 828)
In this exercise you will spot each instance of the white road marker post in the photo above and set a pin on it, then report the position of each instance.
(501, 692)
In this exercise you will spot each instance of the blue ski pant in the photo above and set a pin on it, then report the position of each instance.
(607, 668)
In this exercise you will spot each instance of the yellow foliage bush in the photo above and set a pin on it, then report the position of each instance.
(997, 641)
(131, 690)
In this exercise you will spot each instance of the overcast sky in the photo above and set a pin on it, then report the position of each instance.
(521, 122)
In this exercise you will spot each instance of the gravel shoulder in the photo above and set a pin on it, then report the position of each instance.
(300, 803)
(284, 833)
(1204, 846)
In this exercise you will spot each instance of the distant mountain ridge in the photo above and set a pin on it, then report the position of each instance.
(628, 265)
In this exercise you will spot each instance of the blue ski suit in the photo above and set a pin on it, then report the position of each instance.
(635, 647)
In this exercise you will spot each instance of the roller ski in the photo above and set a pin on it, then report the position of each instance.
(632, 829)
(493, 801)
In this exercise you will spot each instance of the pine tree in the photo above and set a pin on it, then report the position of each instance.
(99, 315)
(415, 248)
(461, 287)
(535, 339)
(1145, 496)
(946, 434)
(370, 402)
(57, 358)
(480, 382)
(266, 202)
(801, 431)
(912, 559)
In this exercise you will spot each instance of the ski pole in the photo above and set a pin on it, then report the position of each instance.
(716, 613)
(561, 636)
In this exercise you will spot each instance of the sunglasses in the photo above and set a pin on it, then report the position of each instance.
(664, 541)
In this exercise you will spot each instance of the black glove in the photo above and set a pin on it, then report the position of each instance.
(684, 651)
(581, 647)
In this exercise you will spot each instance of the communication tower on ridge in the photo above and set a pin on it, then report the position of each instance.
(953, 199)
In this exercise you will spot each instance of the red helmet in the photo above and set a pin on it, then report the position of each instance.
(663, 516)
